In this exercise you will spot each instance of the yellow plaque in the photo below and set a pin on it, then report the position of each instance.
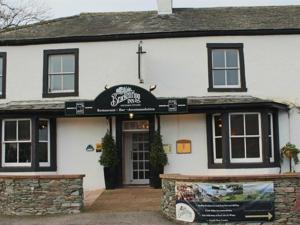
(98, 147)
(184, 146)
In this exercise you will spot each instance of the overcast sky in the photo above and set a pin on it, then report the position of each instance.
(71, 7)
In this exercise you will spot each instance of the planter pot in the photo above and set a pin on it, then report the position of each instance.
(110, 177)
(290, 154)
(155, 180)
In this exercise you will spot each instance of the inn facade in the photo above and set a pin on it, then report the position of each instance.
(221, 85)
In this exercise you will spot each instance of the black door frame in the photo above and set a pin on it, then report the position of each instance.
(119, 139)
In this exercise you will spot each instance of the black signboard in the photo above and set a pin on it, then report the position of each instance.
(230, 202)
(125, 99)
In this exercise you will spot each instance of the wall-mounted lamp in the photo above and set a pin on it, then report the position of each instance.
(152, 87)
(106, 87)
(131, 115)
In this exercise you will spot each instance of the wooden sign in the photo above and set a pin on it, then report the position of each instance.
(184, 146)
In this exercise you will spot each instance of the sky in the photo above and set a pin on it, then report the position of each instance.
(61, 8)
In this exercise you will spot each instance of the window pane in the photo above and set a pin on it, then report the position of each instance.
(219, 77)
(252, 124)
(24, 130)
(55, 83)
(1, 85)
(232, 77)
(237, 148)
(55, 64)
(68, 82)
(10, 131)
(43, 152)
(252, 148)
(269, 123)
(68, 63)
(218, 58)
(24, 152)
(232, 58)
(237, 124)
(1, 66)
(11, 153)
(43, 130)
(218, 125)
(219, 154)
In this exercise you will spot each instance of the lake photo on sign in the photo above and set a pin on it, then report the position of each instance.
(224, 202)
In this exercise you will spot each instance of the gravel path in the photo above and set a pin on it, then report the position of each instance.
(120, 218)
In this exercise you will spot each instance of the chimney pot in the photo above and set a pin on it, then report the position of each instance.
(164, 7)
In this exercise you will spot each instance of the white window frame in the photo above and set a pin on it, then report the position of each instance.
(17, 164)
(61, 74)
(46, 164)
(245, 136)
(272, 159)
(214, 140)
(226, 68)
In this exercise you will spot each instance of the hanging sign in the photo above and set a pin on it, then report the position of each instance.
(225, 202)
(125, 99)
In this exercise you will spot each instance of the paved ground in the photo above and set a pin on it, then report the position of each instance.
(128, 206)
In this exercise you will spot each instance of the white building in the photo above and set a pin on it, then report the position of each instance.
(227, 81)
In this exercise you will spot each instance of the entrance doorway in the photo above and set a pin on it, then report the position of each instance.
(136, 148)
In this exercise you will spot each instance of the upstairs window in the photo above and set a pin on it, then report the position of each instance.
(61, 73)
(2, 74)
(226, 67)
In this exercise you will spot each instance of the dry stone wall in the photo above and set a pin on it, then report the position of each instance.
(41, 195)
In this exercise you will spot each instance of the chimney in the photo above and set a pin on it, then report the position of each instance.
(164, 7)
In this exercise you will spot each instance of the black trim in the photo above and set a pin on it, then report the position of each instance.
(239, 47)
(47, 53)
(226, 164)
(35, 167)
(154, 35)
(3, 55)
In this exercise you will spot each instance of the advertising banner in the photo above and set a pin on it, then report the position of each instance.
(224, 202)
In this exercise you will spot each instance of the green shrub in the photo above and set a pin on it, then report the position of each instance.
(109, 156)
(158, 158)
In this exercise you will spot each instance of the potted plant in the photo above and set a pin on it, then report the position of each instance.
(109, 160)
(290, 151)
(158, 159)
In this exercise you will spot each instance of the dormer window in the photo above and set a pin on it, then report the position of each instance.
(61, 73)
(226, 67)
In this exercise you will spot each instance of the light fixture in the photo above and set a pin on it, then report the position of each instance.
(106, 87)
(152, 87)
(131, 115)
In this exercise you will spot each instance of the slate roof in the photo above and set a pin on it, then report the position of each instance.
(217, 101)
(148, 24)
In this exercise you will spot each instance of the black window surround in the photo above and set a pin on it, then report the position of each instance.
(47, 53)
(35, 164)
(3, 55)
(237, 46)
(266, 157)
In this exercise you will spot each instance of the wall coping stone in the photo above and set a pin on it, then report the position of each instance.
(46, 177)
(227, 178)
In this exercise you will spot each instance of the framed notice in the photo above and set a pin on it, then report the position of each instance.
(167, 148)
(184, 146)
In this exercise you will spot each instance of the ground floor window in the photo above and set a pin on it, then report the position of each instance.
(236, 139)
(27, 143)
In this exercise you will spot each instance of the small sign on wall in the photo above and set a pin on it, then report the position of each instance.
(183, 146)
(167, 148)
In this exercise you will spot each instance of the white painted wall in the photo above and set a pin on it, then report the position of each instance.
(73, 136)
(178, 66)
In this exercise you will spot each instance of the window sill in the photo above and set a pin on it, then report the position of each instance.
(243, 165)
(27, 169)
(211, 89)
(60, 94)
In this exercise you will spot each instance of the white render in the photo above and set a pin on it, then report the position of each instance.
(179, 68)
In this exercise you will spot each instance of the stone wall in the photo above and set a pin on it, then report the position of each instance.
(41, 195)
(286, 187)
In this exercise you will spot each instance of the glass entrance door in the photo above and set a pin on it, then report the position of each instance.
(136, 152)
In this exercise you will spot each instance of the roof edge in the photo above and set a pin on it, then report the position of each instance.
(155, 35)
